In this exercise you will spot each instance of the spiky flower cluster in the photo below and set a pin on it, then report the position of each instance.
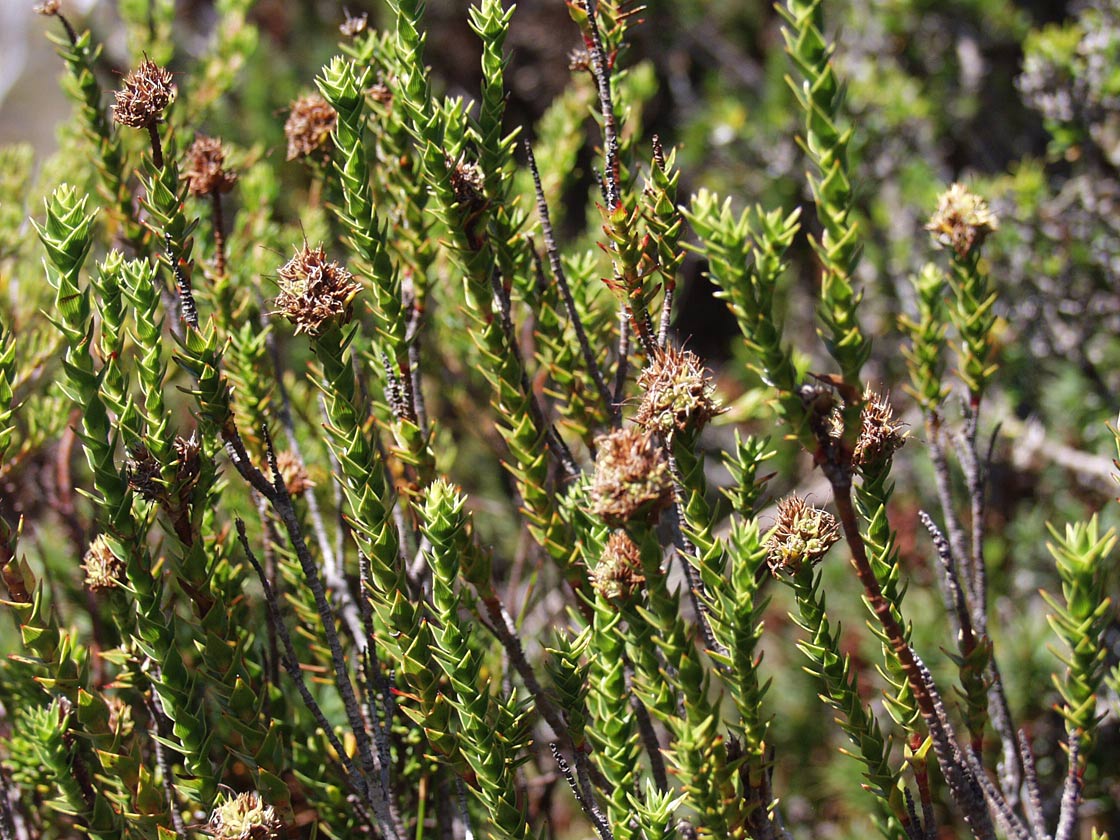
(310, 122)
(315, 291)
(802, 534)
(618, 574)
(245, 817)
(104, 570)
(632, 479)
(678, 393)
(144, 96)
(962, 220)
(206, 173)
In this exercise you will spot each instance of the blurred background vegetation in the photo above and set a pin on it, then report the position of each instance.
(1019, 99)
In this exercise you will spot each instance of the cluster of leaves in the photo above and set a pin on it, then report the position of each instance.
(390, 537)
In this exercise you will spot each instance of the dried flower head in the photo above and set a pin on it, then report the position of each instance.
(143, 473)
(144, 96)
(206, 173)
(314, 291)
(310, 122)
(579, 59)
(678, 393)
(103, 568)
(962, 220)
(467, 182)
(618, 574)
(354, 24)
(381, 93)
(188, 465)
(245, 817)
(803, 534)
(293, 473)
(880, 434)
(49, 8)
(632, 479)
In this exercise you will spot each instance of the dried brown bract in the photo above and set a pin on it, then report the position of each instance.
(678, 393)
(314, 291)
(144, 96)
(245, 817)
(205, 172)
(632, 480)
(962, 220)
(49, 8)
(618, 574)
(103, 568)
(803, 534)
(309, 125)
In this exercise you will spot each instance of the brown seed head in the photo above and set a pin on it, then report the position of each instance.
(315, 292)
(245, 817)
(354, 24)
(49, 8)
(294, 473)
(678, 393)
(309, 125)
(880, 435)
(145, 95)
(803, 534)
(618, 574)
(205, 173)
(962, 220)
(103, 568)
(632, 479)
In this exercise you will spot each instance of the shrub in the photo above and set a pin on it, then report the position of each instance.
(381, 488)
